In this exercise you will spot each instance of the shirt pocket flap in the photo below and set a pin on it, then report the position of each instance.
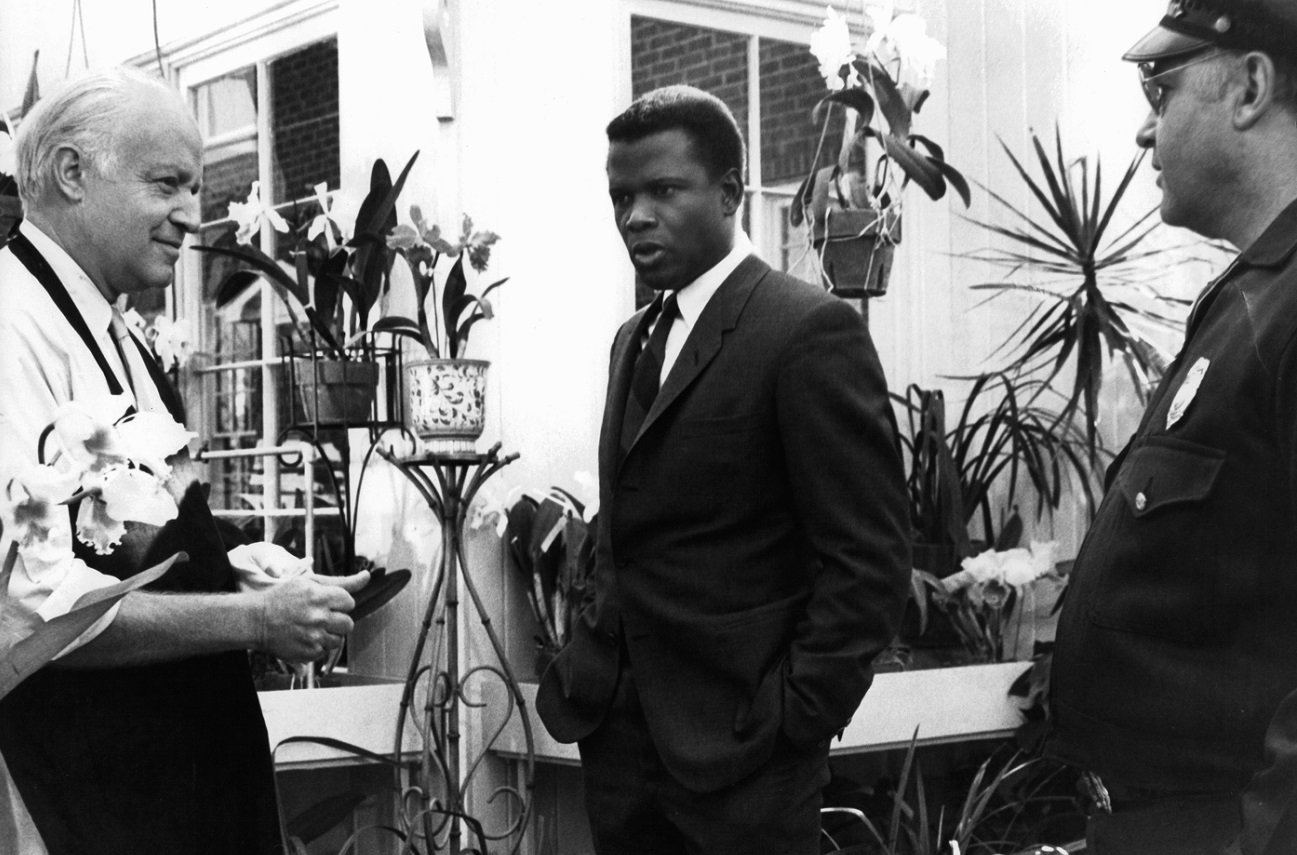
(1158, 476)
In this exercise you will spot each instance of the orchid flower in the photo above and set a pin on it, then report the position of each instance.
(334, 212)
(84, 430)
(150, 438)
(250, 213)
(1015, 567)
(171, 340)
(915, 52)
(477, 244)
(831, 47)
(31, 502)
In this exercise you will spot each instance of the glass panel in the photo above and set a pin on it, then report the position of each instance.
(304, 92)
(665, 53)
(228, 104)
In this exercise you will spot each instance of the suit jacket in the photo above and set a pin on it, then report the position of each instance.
(753, 544)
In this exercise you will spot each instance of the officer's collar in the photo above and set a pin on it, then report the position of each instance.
(1276, 243)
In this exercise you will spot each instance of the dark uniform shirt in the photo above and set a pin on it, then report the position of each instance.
(1178, 640)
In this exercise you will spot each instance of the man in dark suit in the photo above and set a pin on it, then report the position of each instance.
(753, 541)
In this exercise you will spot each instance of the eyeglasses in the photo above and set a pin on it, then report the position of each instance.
(1155, 92)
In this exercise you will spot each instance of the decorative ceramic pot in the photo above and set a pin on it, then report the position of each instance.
(335, 392)
(855, 247)
(445, 402)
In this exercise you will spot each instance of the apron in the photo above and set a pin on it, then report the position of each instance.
(168, 758)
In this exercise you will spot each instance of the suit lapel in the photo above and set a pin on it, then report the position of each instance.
(719, 317)
(621, 368)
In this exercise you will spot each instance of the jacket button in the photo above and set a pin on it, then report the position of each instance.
(1141, 501)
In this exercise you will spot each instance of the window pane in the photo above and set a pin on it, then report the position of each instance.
(791, 85)
(227, 117)
(228, 105)
(665, 53)
(304, 89)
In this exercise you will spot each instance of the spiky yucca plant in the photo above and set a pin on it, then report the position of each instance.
(1085, 310)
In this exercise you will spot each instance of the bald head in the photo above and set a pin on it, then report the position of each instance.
(91, 115)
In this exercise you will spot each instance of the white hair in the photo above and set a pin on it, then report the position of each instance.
(86, 114)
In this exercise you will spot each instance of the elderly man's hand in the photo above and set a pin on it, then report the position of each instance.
(305, 617)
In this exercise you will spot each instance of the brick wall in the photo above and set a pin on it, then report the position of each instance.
(664, 53)
(790, 87)
(304, 92)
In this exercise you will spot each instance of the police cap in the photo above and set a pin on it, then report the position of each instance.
(1191, 25)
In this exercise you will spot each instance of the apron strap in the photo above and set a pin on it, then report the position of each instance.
(36, 264)
(38, 267)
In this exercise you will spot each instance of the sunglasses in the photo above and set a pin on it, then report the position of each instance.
(1155, 92)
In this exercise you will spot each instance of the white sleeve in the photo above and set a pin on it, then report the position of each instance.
(36, 377)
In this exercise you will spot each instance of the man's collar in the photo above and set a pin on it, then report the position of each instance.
(693, 298)
(1276, 243)
(94, 307)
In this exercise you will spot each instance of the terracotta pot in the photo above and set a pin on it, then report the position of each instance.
(855, 248)
(335, 392)
(445, 402)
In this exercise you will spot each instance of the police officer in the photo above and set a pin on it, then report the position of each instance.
(1175, 671)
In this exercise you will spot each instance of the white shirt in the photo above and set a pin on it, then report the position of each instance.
(44, 364)
(695, 296)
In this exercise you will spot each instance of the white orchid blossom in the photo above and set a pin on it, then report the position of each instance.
(150, 438)
(31, 502)
(171, 340)
(250, 213)
(336, 212)
(831, 47)
(83, 429)
(915, 52)
(1015, 567)
(116, 469)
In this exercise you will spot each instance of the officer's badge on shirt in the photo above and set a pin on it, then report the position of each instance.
(1188, 389)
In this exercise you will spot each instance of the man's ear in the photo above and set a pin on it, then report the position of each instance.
(1259, 93)
(731, 191)
(70, 173)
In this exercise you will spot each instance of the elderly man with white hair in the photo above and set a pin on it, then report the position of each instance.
(145, 735)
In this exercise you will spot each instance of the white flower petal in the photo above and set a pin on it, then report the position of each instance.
(131, 494)
(96, 528)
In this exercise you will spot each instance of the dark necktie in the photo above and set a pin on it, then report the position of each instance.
(647, 376)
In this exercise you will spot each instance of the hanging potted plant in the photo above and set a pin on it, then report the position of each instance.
(853, 207)
(445, 394)
(329, 285)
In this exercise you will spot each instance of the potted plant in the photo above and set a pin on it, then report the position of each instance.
(966, 472)
(853, 206)
(329, 288)
(445, 394)
(1094, 309)
(550, 540)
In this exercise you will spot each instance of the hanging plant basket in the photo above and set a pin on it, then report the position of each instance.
(334, 392)
(855, 248)
(445, 402)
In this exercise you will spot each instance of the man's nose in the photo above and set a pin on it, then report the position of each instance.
(188, 212)
(640, 215)
(1145, 136)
